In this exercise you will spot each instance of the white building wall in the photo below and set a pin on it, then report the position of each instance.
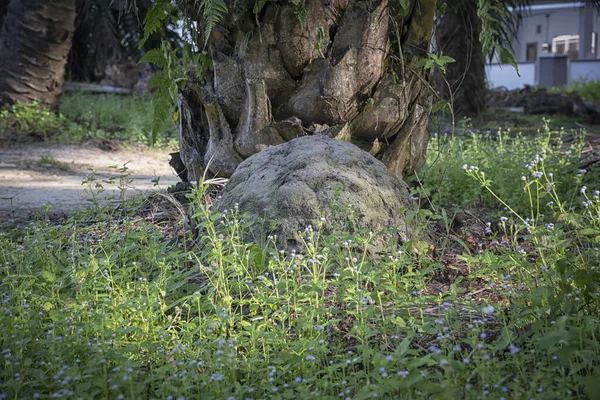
(559, 22)
(588, 70)
(505, 75)
(552, 19)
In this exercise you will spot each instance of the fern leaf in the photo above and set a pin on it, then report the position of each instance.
(162, 103)
(155, 16)
(212, 13)
(156, 57)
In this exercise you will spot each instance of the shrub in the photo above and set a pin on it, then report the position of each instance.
(114, 116)
(587, 89)
(506, 159)
(115, 309)
(32, 118)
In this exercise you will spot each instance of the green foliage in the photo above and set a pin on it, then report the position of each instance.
(156, 16)
(587, 89)
(175, 63)
(212, 13)
(170, 80)
(83, 116)
(506, 159)
(495, 32)
(434, 61)
(300, 12)
(404, 7)
(322, 42)
(109, 116)
(32, 118)
(117, 308)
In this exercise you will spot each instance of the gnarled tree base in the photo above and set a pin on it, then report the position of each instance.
(330, 73)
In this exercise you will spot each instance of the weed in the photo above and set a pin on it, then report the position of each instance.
(506, 158)
(49, 161)
(32, 118)
(109, 116)
(587, 89)
(113, 309)
(87, 116)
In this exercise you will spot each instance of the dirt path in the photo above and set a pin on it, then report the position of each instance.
(34, 175)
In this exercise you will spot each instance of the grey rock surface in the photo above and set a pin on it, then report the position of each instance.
(316, 179)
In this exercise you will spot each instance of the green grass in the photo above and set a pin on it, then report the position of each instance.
(508, 159)
(119, 309)
(83, 116)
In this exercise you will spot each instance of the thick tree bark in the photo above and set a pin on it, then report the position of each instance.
(330, 72)
(34, 45)
(457, 36)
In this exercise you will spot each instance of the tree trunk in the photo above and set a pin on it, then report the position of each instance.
(3, 9)
(344, 68)
(34, 45)
(457, 36)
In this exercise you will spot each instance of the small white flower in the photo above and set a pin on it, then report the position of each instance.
(488, 309)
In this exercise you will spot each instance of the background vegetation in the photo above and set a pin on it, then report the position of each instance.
(587, 89)
(83, 116)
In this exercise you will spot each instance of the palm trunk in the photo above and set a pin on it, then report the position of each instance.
(457, 36)
(324, 69)
(34, 45)
(3, 9)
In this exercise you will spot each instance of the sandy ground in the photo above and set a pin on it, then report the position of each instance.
(33, 175)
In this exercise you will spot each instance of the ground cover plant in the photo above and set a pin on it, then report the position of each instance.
(82, 117)
(113, 304)
(554, 157)
(586, 88)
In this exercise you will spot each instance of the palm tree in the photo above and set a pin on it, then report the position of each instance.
(349, 69)
(109, 32)
(3, 9)
(34, 44)
(457, 36)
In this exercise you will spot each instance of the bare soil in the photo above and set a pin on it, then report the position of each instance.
(32, 175)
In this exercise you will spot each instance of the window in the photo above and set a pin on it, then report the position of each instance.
(531, 52)
(573, 50)
(566, 44)
(538, 29)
